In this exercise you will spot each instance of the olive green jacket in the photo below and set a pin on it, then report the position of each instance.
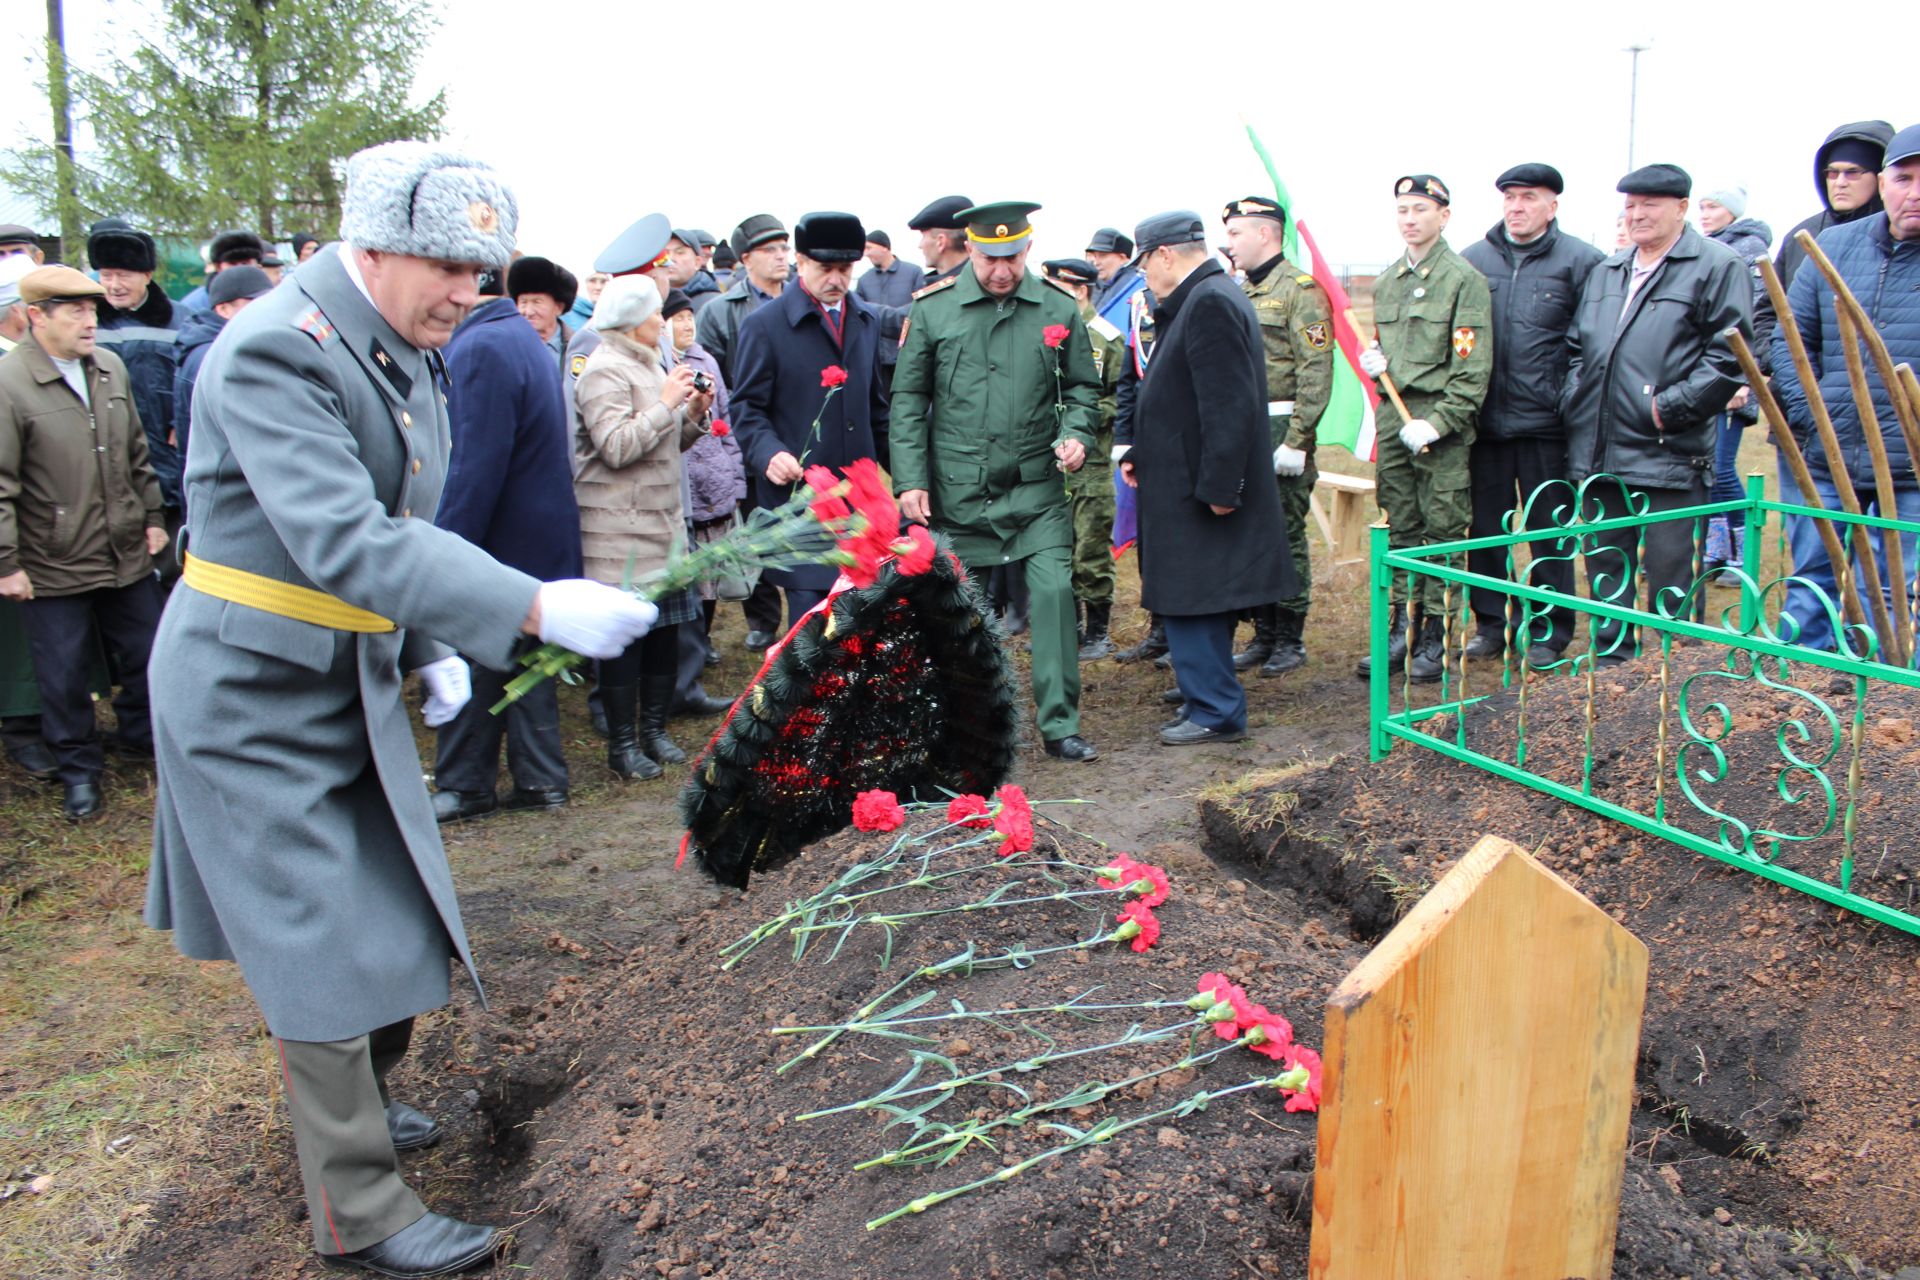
(1435, 323)
(1109, 358)
(1296, 326)
(975, 417)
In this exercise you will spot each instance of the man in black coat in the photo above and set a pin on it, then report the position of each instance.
(1204, 471)
(780, 390)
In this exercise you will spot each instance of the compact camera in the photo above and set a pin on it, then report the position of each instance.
(702, 382)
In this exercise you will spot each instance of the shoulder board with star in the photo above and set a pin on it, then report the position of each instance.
(1105, 328)
(936, 287)
(315, 325)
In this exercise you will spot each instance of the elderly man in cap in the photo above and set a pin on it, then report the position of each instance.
(1296, 333)
(80, 523)
(228, 294)
(13, 312)
(1433, 315)
(995, 395)
(292, 831)
(543, 291)
(764, 248)
(687, 268)
(138, 323)
(16, 239)
(777, 392)
(1650, 369)
(1201, 472)
(1111, 253)
(1535, 274)
(1090, 489)
(19, 695)
(943, 237)
(226, 250)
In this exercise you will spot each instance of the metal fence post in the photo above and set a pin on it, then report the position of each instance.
(1379, 607)
(1756, 521)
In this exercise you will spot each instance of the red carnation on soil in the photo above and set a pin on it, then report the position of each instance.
(1227, 993)
(1137, 928)
(1118, 869)
(1270, 1033)
(969, 811)
(914, 553)
(1014, 822)
(1152, 875)
(1053, 335)
(1307, 1099)
(877, 811)
(720, 428)
(833, 376)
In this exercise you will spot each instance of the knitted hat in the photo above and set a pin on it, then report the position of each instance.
(625, 302)
(418, 199)
(1732, 198)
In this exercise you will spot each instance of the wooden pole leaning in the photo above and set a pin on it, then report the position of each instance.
(1882, 483)
(1906, 408)
(1385, 379)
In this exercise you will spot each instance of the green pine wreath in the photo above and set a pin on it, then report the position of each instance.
(899, 686)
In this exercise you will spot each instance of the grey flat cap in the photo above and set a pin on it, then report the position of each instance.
(422, 200)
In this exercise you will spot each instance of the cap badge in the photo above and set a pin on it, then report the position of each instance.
(1406, 185)
(483, 217)
(1000, 229)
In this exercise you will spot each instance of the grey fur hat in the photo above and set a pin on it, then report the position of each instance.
(419, 199)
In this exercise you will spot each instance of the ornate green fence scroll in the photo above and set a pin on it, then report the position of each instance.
(1819, 699)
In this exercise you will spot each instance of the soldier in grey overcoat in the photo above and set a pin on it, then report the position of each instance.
(293, 832)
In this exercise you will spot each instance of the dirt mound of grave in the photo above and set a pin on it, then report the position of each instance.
(1779, 1075)
(677, 1150)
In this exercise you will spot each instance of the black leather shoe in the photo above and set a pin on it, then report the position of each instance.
(1072, 747)
(1164, 662)
(35, 759)
(1541, 656)
(530, 798)
(1173, 697)
(1188, 734)
(458, 806)
(1488, 641)
(712, 659)
(83, 801)
(1177, 720)
(409, 1129)
(702, 704)
(758, 640)
(436, 1245)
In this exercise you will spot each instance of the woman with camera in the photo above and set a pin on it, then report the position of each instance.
(635, 421)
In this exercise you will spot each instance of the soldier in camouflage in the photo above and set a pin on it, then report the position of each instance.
(1090, 489)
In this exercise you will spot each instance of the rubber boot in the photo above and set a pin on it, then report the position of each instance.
(1154, 646)
(1097, 645)
(1289, 646)
(1429, 660)
(623, 733)
(1265, 620)
(656, 699)
(1396, 643)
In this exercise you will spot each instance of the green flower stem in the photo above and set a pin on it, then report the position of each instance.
(983, 1015)
(1065, 895)
(1105, 1131)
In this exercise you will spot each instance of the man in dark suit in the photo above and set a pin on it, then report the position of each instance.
(787, 415)
(1204, 473)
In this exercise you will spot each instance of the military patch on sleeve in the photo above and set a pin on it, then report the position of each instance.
(1105, 328)
(1463, 341)
(1317, 335)
(315, 325)
(936, 287)
(579, 365)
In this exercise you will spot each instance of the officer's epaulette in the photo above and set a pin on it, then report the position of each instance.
(1305, 280)
(936, 287)
(315, 325)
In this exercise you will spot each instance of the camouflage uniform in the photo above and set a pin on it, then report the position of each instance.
(1296, 323)
(1090, 489)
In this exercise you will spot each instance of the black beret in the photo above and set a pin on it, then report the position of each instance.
(942, 215)
(114, 245)
(236, 283)
(1071, 271)
(830, 237)
(753, 232)
(542, 275)
(1424, 185)
(879, 237)
(236, 246)
(1657, 180)
(1108, 240)
(677, 301)
(1182, 226)
(1531, 175)
(1255, 207)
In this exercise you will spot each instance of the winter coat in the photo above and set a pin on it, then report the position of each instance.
(1668, 352)
(716, 481)
(1751, 238)
(702, 289)
(509, 489)
(77, 495)
(1884, 274)
(292, 831)
(782, 350)
(1877, 132)
(718, 323)
(1534, 293)
(578, 314)
(1206, 444)
(627, 455)
(189, 353)
(143, 339)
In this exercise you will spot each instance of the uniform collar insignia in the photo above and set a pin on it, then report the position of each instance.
(390, 368)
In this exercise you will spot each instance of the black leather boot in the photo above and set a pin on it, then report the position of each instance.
(1289, 648)
(1489, 638)
(435, 1245)
(1154, 646)
(1396, 643)
(624, 756)
(656, 695)
(1264, 621)
(1429, 660)
(1096, 645)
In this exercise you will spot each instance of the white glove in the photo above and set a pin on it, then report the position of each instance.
(1418, 434)
(591, 618)
(1373, 361)
(1289, 462)
(449, 688)
(1118, 452)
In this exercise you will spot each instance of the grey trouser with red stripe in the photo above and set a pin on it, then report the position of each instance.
(337, 1095)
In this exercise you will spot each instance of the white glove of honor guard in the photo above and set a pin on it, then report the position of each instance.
(1373, 362)
(1418, 434)
(591, 618)
(1289, 462)
(449, 688)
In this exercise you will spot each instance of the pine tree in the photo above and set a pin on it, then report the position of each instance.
(242, 114)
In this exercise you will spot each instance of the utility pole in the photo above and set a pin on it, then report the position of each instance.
(66, 201)
(1633, 95)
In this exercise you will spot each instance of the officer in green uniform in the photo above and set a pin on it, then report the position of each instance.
(1296, 324)
(1434, 317)
(987, 413)
(1090, 489)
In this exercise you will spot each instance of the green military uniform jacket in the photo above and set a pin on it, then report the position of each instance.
(1435, 323)
(974, 416)
(1296, 324)
(1109, 357)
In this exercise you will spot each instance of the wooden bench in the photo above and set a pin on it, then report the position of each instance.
(1346, 529)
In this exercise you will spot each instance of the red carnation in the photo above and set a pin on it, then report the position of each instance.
(914, 553)
(1231, 995)
(833, 376)
(1117, 870)
(1154, 876)
(877, 811)
(720, 428)
(1138, 928)
(1053, 335)
(1270, 1033)
(872, 497)
(969, 811)
(1016, 831)
(1307, 1099)
(862, 561)
(827, 505)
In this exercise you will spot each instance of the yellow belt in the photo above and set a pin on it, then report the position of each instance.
(270, 595)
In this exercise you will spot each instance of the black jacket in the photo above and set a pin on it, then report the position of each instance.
(1205, 395)
(1877, 132)
(1669, 352)
(1534, 294)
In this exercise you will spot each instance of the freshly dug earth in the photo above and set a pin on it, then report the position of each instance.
(1779, 1076)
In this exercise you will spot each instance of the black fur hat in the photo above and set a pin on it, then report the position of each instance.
(230, 247)
(114, 245)
(542, 275)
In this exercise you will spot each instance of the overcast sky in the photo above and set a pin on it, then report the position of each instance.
(1105, 113)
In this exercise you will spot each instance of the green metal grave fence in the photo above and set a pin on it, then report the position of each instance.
(1819, 748)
